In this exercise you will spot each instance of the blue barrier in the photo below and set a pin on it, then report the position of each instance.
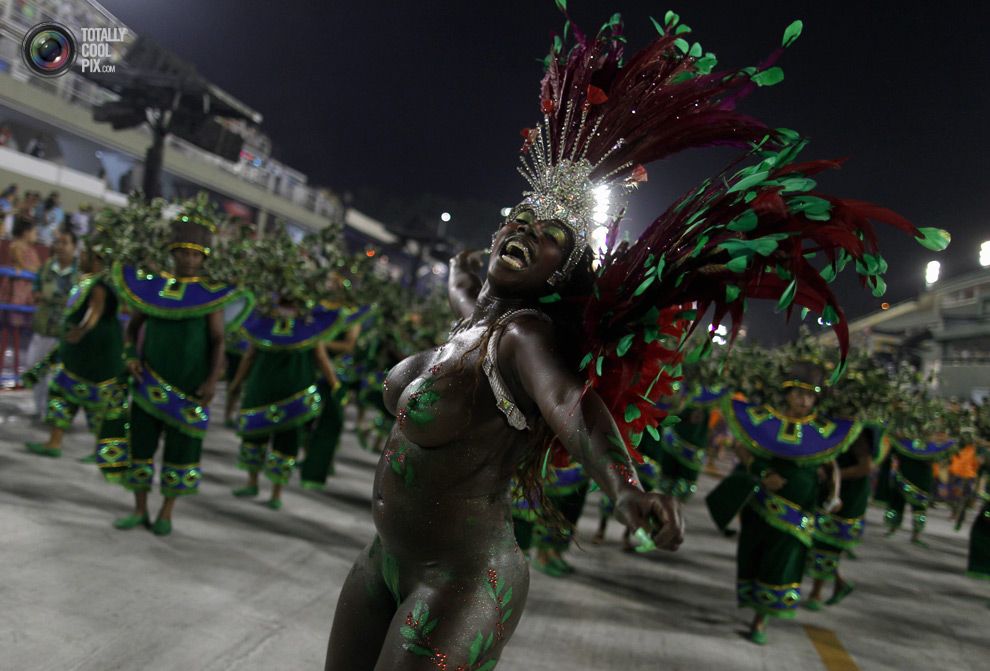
(9, 307)
(7, 271)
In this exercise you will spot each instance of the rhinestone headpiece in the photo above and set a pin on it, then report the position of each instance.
(563, 188)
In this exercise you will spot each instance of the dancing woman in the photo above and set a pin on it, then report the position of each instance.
(552, 355)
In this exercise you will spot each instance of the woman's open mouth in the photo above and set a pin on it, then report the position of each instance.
(515, 254)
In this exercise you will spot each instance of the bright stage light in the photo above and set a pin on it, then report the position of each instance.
(985, 254)
(932, 271)
(445, 216)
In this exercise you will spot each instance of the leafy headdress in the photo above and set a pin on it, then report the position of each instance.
(759, 229)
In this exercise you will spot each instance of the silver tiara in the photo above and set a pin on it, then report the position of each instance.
(562, 187)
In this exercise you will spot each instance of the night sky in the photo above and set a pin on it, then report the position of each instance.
(413, 98)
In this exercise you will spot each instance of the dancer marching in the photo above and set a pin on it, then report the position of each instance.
(784, 452)
(175, 372)
(913, 480)
(553, 354)
(90, 371)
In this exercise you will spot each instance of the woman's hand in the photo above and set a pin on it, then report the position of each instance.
(469, 260)
(659, 515)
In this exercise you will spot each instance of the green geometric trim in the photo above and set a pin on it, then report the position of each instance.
(129, 297)
(812, 460)
(155, 412)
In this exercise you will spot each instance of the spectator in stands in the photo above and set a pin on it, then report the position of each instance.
(35, 147)
(8, 203)
(16, 290)
(80, 220)
(50, 219)
(6, 136)
(27, 206)
(55, 279)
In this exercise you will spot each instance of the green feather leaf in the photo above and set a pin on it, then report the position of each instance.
(830, 315)
(828, 273)
(738, 264)
(644, 285)
(660, 266)
(682, 45)
(586, 360)
(746, 221)
(670, 18)
(657, 25)
(797, 184)
(551, 298)
(792, 32)
(669, 421)
(731, 292)
(706, 64)
(632, 413)
(408, 633)
(624, 344)
(879, 287)
(935, 239)
(598, 365)
(430, 626)
(768, 77)
(683, 28)
(652, 430)
(787, 297)
(747, 182)
(695, 51)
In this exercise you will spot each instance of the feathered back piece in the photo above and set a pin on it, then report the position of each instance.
(757, 230)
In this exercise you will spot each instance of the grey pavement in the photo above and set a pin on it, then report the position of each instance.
(238, 586)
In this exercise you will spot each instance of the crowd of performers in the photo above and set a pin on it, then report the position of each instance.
(576, 361)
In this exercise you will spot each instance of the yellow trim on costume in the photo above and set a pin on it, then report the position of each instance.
(807, 419)
(802, 385)
(205, 251)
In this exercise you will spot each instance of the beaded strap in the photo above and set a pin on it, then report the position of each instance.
(503, 399)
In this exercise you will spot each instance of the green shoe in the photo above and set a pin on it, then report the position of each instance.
(312, 486)
(841, 594)
(162, 527)
(274, 504)
(813, 605)
(43, 450)
(88, 459)
(131, 521)
(250, 490)
(758, 636)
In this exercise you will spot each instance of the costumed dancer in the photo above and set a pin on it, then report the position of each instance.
(553, 354)
(782, 452)
(323, 439)
(56, 278)
(181, 358)
(842, 530)
(978, 565)
(286, 350)
(685, 444)
(913, 480)
(90, 369)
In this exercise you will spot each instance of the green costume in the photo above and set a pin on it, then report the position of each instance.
(777, 526)
(843, 529)
(90, 376)
(175, 360)
(979, 538)
(281, 394)
(683, 447)
(912, 480)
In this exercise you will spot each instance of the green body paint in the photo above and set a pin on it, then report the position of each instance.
(421, 402)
